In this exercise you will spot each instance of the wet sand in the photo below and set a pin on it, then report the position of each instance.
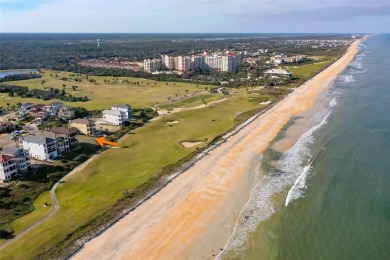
(193, 217)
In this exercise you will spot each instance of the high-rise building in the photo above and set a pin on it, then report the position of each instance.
(152, 65)
(168, 62)
(183, 63)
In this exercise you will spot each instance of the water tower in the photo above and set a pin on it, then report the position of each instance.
(98, 42)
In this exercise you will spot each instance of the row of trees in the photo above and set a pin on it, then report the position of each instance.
(51, 93)
(23, 76)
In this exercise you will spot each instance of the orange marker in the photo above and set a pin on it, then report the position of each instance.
(102, 141)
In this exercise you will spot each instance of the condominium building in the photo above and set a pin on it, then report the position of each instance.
(229, 63)
(152, 65)
(168, 62)
(183, 63)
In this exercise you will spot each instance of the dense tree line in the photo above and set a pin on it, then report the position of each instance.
(22, 76)
(52, 93)
(64, 51)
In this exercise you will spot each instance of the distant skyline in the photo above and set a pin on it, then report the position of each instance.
(195, 16)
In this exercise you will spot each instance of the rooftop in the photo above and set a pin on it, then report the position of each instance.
(5, 158)
(63, 130)
(82, 121)
(124, 106)
(278, 71)
(11, 151)
(112, 112)
(37, 139)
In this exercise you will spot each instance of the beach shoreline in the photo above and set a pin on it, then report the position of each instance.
(195, 215)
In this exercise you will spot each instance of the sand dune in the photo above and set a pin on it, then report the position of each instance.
(194, 216)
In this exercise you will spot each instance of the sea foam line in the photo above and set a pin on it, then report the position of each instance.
(297, 190)
(259, 206)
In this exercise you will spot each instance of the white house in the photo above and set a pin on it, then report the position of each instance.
(22, 162)
(113, 117)
(117, 114)
(53, 108)
(40, 147)
(278, 72)
(7, 167)
(125, 110)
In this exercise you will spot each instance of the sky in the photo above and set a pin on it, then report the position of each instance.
(195, 16)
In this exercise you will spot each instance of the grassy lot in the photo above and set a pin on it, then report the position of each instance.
(39, 212)
(307, 71)
(193, 101)
(88, 193)
(104, 93)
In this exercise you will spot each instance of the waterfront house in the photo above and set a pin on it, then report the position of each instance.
(84, 125)
(20, 159)
(66, 139)
(39, 147)
(117, 114)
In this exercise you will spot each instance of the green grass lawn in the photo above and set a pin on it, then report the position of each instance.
(307, 71)
(103, 94)
(39, 212)
(193, 101)
(88, 193)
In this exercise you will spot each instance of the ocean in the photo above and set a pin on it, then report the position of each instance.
(323, 188)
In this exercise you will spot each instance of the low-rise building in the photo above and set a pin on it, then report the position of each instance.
(112, 117)
(117, 114)
(54, 108)
(7, 167)
(22, 162)
(39, 147)
(278, 72)
(66, 139)
(84, 125)
(66, 112)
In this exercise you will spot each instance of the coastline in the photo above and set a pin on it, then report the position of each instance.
(195, 215)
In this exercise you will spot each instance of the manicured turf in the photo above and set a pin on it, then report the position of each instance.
(88, 193)
(105, 94)
(307, 71)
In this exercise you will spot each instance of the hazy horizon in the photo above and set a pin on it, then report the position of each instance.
(194, 16)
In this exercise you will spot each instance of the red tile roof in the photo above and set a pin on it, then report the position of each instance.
(5, 158)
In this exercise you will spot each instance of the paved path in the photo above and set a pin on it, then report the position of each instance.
(78, 168)
(56, 204)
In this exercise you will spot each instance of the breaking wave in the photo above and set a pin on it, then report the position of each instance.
(348, 78)
(260, 205)
(298, 189)
(333, 102)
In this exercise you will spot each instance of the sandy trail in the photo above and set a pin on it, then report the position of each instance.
(194, 216)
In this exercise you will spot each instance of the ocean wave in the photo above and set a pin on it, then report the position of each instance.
(298, 189)
(333, 102)
(347, 78)
(260, 205)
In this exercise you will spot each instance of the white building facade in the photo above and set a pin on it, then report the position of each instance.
(39, 147)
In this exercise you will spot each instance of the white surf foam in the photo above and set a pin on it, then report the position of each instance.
(260, 204)
(298, 189)
(333, 102)
(348, 78)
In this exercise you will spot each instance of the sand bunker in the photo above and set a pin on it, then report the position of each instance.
(190, 144)
(265, 102)
(172, 122)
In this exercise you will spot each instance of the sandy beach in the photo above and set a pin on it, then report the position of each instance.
(193, 217)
